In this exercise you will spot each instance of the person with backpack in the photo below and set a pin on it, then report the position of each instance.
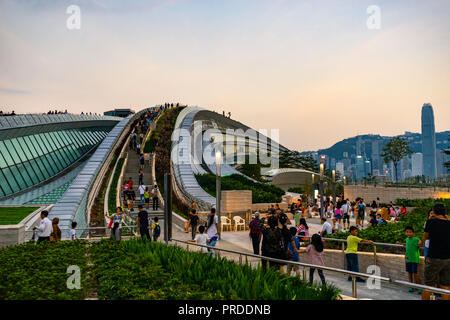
(287, 239)
(361, 210)
(255, 234)
(156, 229)
(271, 243)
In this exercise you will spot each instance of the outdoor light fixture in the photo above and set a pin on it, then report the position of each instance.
(321, 170)
(313, 178)
(218, 190)
(333, 172)
(218, 161)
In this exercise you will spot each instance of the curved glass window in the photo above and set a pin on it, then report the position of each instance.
(30, 160)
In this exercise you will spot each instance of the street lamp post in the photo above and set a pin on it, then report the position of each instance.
(313, 188)
(334, 187)
(218, 190)
(322, 204)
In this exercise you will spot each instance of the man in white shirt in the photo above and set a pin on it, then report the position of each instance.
(45, 227)
(326, 227)
(141, 192)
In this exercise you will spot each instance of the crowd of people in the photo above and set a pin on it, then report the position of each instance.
(5, 114)
(276, 240)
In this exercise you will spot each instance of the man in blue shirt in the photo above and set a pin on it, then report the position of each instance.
(142, 223)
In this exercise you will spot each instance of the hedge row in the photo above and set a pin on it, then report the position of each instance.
(137, 269)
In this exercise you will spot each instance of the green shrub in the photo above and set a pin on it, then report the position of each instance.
(393, 232)
(38, 272)
(138, 269)
(113, 188)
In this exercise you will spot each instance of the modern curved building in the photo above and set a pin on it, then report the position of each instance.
(39, 150)
(198, 135)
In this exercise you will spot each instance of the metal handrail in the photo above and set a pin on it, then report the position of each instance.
(88, 229)
(304, 265)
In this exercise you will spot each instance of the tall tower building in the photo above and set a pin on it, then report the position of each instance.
(428, 141)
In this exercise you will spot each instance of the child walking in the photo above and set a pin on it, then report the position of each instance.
(412, 256)
(201, 238)
(156, 229)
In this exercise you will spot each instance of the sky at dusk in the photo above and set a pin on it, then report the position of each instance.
(313, 69)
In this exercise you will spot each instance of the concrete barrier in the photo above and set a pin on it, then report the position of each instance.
(12, 234)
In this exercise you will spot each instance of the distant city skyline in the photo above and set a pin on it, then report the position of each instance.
(312, 69)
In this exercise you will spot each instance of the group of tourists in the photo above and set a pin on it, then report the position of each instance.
(283, 243)
(5, 114)
(145, 194)
(280, 242)
(48, 230)
(207, 233)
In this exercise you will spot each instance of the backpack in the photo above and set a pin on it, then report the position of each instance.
(361, 208)
(272, 243)
(157, 231)
(254, 227)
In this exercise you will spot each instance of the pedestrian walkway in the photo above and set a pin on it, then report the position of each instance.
(132, 170)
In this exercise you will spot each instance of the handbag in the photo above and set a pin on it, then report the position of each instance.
(110, 223)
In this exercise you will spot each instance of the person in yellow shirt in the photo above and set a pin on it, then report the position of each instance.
(351, 254)
(156, 229)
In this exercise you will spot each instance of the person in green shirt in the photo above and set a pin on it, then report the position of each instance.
(412, 256)
(351, 254)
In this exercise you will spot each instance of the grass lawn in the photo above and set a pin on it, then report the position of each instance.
(13, 215)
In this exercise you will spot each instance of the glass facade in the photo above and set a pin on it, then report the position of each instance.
(29, 160)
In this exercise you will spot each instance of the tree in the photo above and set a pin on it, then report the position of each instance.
(292, 159)
(395, 150)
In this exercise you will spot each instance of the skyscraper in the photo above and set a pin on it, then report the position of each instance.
(428, 141)
(416, 164)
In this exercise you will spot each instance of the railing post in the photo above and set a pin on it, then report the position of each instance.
(343, 254)
(240, 259)
(354, 292)
(374, 254)
(304, 274)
